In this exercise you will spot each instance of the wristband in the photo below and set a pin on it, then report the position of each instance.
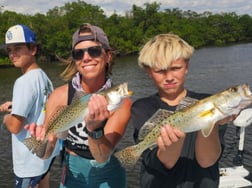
(97, 133)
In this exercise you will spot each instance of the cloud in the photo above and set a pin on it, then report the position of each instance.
(121, 6)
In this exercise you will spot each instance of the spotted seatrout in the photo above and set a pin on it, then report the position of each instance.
(199, 115)
(68, 116)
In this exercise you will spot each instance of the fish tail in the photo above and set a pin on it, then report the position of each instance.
(37, 147)
(129, 156)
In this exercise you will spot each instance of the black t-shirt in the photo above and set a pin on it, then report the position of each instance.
(77, 139)
(186, 173)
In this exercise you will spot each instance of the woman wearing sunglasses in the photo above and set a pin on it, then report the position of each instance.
(88, 161)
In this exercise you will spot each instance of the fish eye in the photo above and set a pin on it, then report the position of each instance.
(234, 89)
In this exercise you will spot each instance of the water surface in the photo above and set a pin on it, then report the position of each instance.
(211, 70)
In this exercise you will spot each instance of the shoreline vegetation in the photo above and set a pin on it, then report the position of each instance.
(127, 33)
(5, 62)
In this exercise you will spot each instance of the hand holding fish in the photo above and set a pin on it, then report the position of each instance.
(36, 131)
(169, 135)
(39, 132)
(97, 112)
(62, 117)
(227, 119)
(170, 143)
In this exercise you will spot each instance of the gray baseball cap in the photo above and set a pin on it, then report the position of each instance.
(97, 35)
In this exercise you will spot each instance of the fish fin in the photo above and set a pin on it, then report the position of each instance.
(186, 103)
(155, 119)
(145, 129)
(207, 131)
(48, 151)
(36, 146)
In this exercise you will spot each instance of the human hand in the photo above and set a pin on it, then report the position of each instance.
(170, 144)
(40, 132)
(6, 107)
(97, 112)
(227, 120)
(168, 136)
(36, 131)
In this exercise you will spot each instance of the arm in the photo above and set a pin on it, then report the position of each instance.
(163, 159)
(57, 98)
(12, 122)
(207, 150)
(114, 129)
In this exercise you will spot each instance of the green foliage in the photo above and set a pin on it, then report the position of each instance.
(5, 61)
(128, 33)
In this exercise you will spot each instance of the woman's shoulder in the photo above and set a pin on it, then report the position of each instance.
(62, 88)
(60, 92)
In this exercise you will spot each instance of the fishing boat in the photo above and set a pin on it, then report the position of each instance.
(234, 177)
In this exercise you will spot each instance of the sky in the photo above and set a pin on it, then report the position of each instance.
(240, 7)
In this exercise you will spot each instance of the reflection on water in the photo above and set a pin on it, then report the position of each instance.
(211, 70)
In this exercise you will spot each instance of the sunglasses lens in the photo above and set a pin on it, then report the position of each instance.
(77, 54)
(94, 51)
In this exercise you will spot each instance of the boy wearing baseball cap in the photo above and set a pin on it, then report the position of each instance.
(29, 96)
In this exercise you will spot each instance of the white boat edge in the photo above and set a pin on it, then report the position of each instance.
(234, 177)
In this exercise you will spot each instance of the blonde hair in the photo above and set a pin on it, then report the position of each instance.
(69, 71)
(160, 51)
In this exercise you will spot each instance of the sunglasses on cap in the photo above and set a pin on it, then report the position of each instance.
(94, 51)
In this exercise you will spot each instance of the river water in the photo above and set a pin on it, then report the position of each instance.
(211, 70)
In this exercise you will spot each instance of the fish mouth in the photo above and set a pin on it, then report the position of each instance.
(247, 96)
(123, 90)
(247, 90)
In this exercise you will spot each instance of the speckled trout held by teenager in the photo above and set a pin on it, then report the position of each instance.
(68, 116)
(199, 115)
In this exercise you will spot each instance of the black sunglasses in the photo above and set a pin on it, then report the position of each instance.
(94, 51)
